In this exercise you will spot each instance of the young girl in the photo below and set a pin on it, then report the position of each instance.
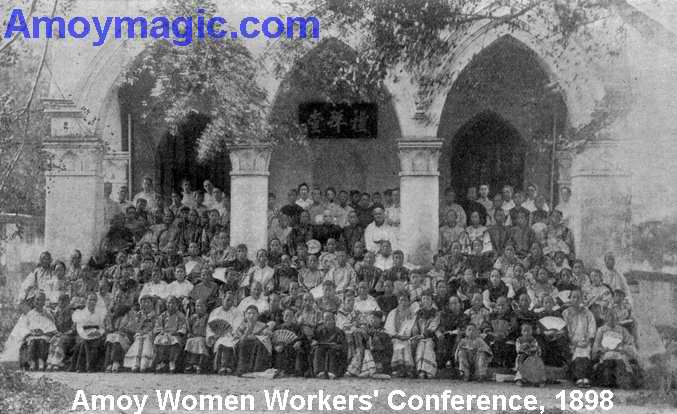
(473, 355)
(527, 347)
(196, 346)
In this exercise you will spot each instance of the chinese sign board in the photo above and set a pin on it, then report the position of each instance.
(326, 120)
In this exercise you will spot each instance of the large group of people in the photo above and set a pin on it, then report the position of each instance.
(332, 295)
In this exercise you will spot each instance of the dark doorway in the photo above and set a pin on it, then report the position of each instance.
(177, 159)
(486, 150)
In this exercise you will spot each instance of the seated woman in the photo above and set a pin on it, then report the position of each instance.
(616, 356)
(350, 321)
(598, 296)
(329, 343)
(452, 325)
(507, 261)
(468, 287)
(221, 324)
(36, 327)
(427, 322)
(496, 289)
(196, 347)
(170, 331)
(180, 288)
(139, 356)
(62, 342)
(543, 286)
(290, 351)
(156, 288)
(90, 326)
(555, 341)
(399, 325)
(253, 348)
(120, 328)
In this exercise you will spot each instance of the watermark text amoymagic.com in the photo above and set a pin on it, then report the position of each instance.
(182, 30)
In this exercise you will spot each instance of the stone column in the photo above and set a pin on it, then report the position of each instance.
(419, 194)
(115, 167)
(74, 185)
(601, 202)
(565, 159)
(249, 195)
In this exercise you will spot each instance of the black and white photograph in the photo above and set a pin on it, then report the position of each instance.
(364, 206)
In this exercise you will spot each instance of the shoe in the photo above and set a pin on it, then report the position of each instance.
(160, 367)
(188, 369)
(449, 364)
(579, 383)
(198, 370)
(331, 376)
(135, 370)
(321, 375)
(519, 383)
(586, 383)
(422, 375)
(222, 371)
(115, 368)
(109, 369)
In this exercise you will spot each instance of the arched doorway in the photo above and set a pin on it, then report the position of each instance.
(176, 159)
(486, 150)
(165, 156)
(499, 122)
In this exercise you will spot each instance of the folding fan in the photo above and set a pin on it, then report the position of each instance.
(283, 337)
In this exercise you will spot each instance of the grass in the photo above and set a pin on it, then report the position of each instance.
(21, 394)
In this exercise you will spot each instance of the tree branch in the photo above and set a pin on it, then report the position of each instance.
(26, 109)
(16, 35)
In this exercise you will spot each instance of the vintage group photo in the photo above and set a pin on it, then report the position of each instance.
(383, 194)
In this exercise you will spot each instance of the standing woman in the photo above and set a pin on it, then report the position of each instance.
(90, 326)
(399, 325)
(253, 347)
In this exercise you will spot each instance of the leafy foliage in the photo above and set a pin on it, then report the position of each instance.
(419, 37)
(212, 77)
(20, 393)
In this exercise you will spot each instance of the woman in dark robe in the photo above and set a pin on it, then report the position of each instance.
(290, 356)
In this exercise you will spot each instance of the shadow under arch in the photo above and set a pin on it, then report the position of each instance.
(487, 149)
(506, 92)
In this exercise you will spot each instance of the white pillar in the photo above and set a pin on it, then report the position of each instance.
(419, 194)
(74, 185)
(249, 196)
(601, 202)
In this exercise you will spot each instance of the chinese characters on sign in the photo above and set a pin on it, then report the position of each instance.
(325, 120)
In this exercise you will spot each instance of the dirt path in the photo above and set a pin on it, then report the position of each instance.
(118, 384)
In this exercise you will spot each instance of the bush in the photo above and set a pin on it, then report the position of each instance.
(20, 393)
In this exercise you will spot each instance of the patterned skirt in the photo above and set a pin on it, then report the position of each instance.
(140, 355)
(197, 345)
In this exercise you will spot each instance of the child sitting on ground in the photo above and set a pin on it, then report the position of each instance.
(473, 355)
